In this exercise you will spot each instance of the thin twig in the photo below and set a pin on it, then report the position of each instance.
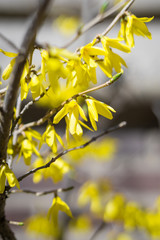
(99, 228)
(38, 194)
(11, 94)
(16, 223)
(106, 84)
(26, 107)
(99, 18)
(9, 42)
(120, 125)
(118, 16)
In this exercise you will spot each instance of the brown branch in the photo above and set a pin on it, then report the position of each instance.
(120, 125)
(10, 100)
(118, 16)
(99, 18)
(26, 107)
(38, 194)
(9, 42)
(11, 95)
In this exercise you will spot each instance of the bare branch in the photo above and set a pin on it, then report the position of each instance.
(9, 42)
(118, 16)
(99, 18)
(26, 107)
(11, 95)
(120, 125)
(38, 194)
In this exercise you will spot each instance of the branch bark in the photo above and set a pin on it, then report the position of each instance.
(6, 112)
(11, 95)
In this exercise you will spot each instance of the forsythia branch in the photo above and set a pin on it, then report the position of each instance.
(11, 94)
(100, 17)
(37, 194)
(118, 16)
(120, 125)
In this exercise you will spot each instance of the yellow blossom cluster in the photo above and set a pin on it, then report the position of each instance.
(61, 69)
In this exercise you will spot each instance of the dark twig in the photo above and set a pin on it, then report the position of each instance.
(9, 42)
(120, 125)
(38, 194)
(99, 228)
(26, 107)
(11, 95)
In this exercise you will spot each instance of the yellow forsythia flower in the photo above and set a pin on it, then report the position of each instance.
(58, 205)
(7, 71)
(111, 59)
(80, 73)
(39, 225)
(50, 137)
(88, 51)
(89, 193)
(56, 171)
(6, 172)
(114, 209)
(96, 107)
(67, 24)
(137, 219)
(72, 110)
(28, 145)
(82, 223)
(131, 25)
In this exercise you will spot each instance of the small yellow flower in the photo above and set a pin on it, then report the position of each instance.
(28, 145)
(56, 171)
(114, 209)
(111, 59)
(40, 225)
(50, 137)
(67, 25)
(96, 107)
(6, 172)
(89, 193)
(81, 74)
(131, 25)
(58, 205)
(89, 51)
(7, 71)
(72, 110)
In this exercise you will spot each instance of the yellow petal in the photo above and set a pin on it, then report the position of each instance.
(115, 43)
(2, 178)
(106, 69)
(60, 114)
(8, 54)
(7, 71)
(92, 109)
(104, 110)
(12, 180)
(73, 120)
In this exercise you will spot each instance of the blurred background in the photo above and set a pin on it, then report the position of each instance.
(135, 169)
